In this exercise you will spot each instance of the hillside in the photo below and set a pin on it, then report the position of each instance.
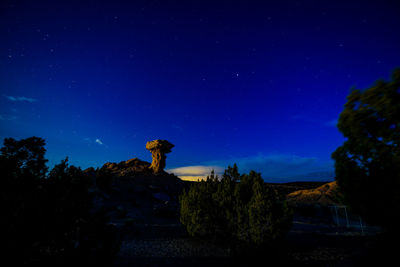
(324, 195)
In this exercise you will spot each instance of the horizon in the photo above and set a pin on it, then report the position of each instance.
(247, 82)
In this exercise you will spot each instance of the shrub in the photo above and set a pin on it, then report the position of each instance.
(236, 208)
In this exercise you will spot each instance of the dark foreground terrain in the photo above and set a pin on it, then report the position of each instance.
(145, 212)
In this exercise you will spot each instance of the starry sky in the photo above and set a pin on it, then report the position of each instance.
(259, 83)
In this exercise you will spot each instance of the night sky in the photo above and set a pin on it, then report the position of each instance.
(259, 83)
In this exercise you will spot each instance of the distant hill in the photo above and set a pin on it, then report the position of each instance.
(290, 187)
(324, 195)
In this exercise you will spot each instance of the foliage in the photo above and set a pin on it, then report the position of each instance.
(368, 163)
(24, 158)
(236, 208)
(47, 218)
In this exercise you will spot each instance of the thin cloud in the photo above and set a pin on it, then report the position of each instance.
(195, 172)
(7, 117)
(93, 141)
(20, 99)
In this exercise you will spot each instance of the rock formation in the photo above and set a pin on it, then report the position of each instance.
(158, 149)
(127, 168)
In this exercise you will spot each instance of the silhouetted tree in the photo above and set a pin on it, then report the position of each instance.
(23, 158)
(368, 163)
(47, 220)
(23, 168)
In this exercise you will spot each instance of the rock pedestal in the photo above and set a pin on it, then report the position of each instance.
(158, 149)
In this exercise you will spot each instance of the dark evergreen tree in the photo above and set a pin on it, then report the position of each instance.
(368, 163)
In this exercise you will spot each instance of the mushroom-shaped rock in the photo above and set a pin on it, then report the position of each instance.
(158, 149)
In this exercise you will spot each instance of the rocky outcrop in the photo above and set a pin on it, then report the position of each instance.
(127, 168)
(158, 149)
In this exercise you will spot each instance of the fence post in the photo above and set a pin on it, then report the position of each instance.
(347, 218)
(361, 226)
(337, 216)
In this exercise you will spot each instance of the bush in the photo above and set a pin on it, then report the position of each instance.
(236, 208)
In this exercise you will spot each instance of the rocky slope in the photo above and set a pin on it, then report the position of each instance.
(325, 195)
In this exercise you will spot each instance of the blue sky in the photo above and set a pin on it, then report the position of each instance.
(253, 82)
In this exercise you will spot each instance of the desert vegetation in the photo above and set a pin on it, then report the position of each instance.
(239, 209)
(47, 216)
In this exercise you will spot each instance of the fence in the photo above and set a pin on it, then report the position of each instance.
(342, 217)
